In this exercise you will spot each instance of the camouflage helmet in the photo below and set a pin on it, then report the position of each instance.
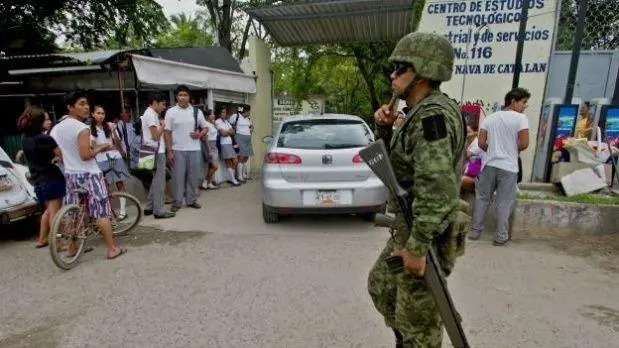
(431, 55)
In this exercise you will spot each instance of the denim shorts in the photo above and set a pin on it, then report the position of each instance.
(50, 190)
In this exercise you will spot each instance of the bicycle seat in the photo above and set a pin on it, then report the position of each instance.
(80, 191)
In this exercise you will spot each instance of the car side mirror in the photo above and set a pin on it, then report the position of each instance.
(267, 139)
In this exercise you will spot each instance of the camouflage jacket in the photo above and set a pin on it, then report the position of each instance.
(426, 153)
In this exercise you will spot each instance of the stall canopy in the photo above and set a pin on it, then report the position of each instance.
(162, 72)
(331, 22)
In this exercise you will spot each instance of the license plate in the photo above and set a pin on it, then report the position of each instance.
(328, 197)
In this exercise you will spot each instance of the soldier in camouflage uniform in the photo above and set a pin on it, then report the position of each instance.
(426, 154)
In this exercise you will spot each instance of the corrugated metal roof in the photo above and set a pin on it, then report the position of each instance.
(320, 21)
(93, 57)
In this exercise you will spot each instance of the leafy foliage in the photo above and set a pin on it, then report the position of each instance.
(81, 23)
(186, 31)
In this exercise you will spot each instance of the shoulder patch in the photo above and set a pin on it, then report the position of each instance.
(434, 127)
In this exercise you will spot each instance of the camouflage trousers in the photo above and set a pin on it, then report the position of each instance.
(406, 304)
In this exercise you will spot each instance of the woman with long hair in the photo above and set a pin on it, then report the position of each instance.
(226, 132)
(40, 150)
(110, 161)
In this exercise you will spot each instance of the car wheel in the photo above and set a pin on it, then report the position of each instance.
(269, 216)
(371, 216)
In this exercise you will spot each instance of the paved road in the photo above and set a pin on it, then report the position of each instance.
(219, 277)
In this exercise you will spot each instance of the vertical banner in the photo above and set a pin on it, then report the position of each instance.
(484, 34)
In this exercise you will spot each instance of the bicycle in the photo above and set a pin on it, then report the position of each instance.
(73, 222)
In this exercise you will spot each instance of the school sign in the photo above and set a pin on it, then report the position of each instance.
(484, 34)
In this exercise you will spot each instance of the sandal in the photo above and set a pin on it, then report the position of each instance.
(39, 245)
(122, 251)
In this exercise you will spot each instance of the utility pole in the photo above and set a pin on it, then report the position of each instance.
(580, 27)
(524, 17)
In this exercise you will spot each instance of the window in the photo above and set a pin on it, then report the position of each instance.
(324, 134)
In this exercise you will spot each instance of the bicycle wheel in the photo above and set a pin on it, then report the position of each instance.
(126, 212)
(69, 225)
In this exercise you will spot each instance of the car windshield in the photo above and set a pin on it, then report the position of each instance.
(324, 134)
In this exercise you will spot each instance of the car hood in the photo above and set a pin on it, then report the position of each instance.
(16, 193)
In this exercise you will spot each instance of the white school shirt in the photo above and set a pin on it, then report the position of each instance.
(212, 131)
(224, 125)
(502, 128)
(181, 123)
(65, 133)
(101, 139)
(149, 119)
(242, 124)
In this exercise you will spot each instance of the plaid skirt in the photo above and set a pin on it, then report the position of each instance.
(244, 142)
(227, 151)
(116, 171)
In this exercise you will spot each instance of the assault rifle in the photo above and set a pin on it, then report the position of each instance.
(376, 157)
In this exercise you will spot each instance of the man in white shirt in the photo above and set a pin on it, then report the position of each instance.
(184, 149)
(502, 135)
(81, 170)
(152, 135)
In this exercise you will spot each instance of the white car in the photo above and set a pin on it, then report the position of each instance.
(17, 198)
(313, 166)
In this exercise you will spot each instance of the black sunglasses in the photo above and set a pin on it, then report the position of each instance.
(401, 68)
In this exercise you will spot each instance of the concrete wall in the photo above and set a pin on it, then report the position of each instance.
(259, 61)
(539, 218)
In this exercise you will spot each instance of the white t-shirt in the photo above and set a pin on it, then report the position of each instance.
(149, 119)
(242, 125)
(181, 123)
(65, 133)
(101, 139)
(224, 125)
(503, 127)
(212, 131)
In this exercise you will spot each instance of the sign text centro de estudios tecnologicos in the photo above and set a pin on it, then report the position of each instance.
(484, 34)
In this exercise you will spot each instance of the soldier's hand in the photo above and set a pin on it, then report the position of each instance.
(384, 116)
(415, 266)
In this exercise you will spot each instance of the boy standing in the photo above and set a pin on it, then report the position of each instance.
(81, 170)
(503, 135)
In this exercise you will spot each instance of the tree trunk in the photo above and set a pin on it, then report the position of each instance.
(367, 76)
(244, 40)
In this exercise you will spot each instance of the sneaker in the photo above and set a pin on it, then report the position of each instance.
(212, 187)
(165, 215)
(497, 243)
(474, 235)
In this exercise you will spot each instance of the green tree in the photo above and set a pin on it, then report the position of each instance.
(29, 26)
(354, 77)
(186, 31)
